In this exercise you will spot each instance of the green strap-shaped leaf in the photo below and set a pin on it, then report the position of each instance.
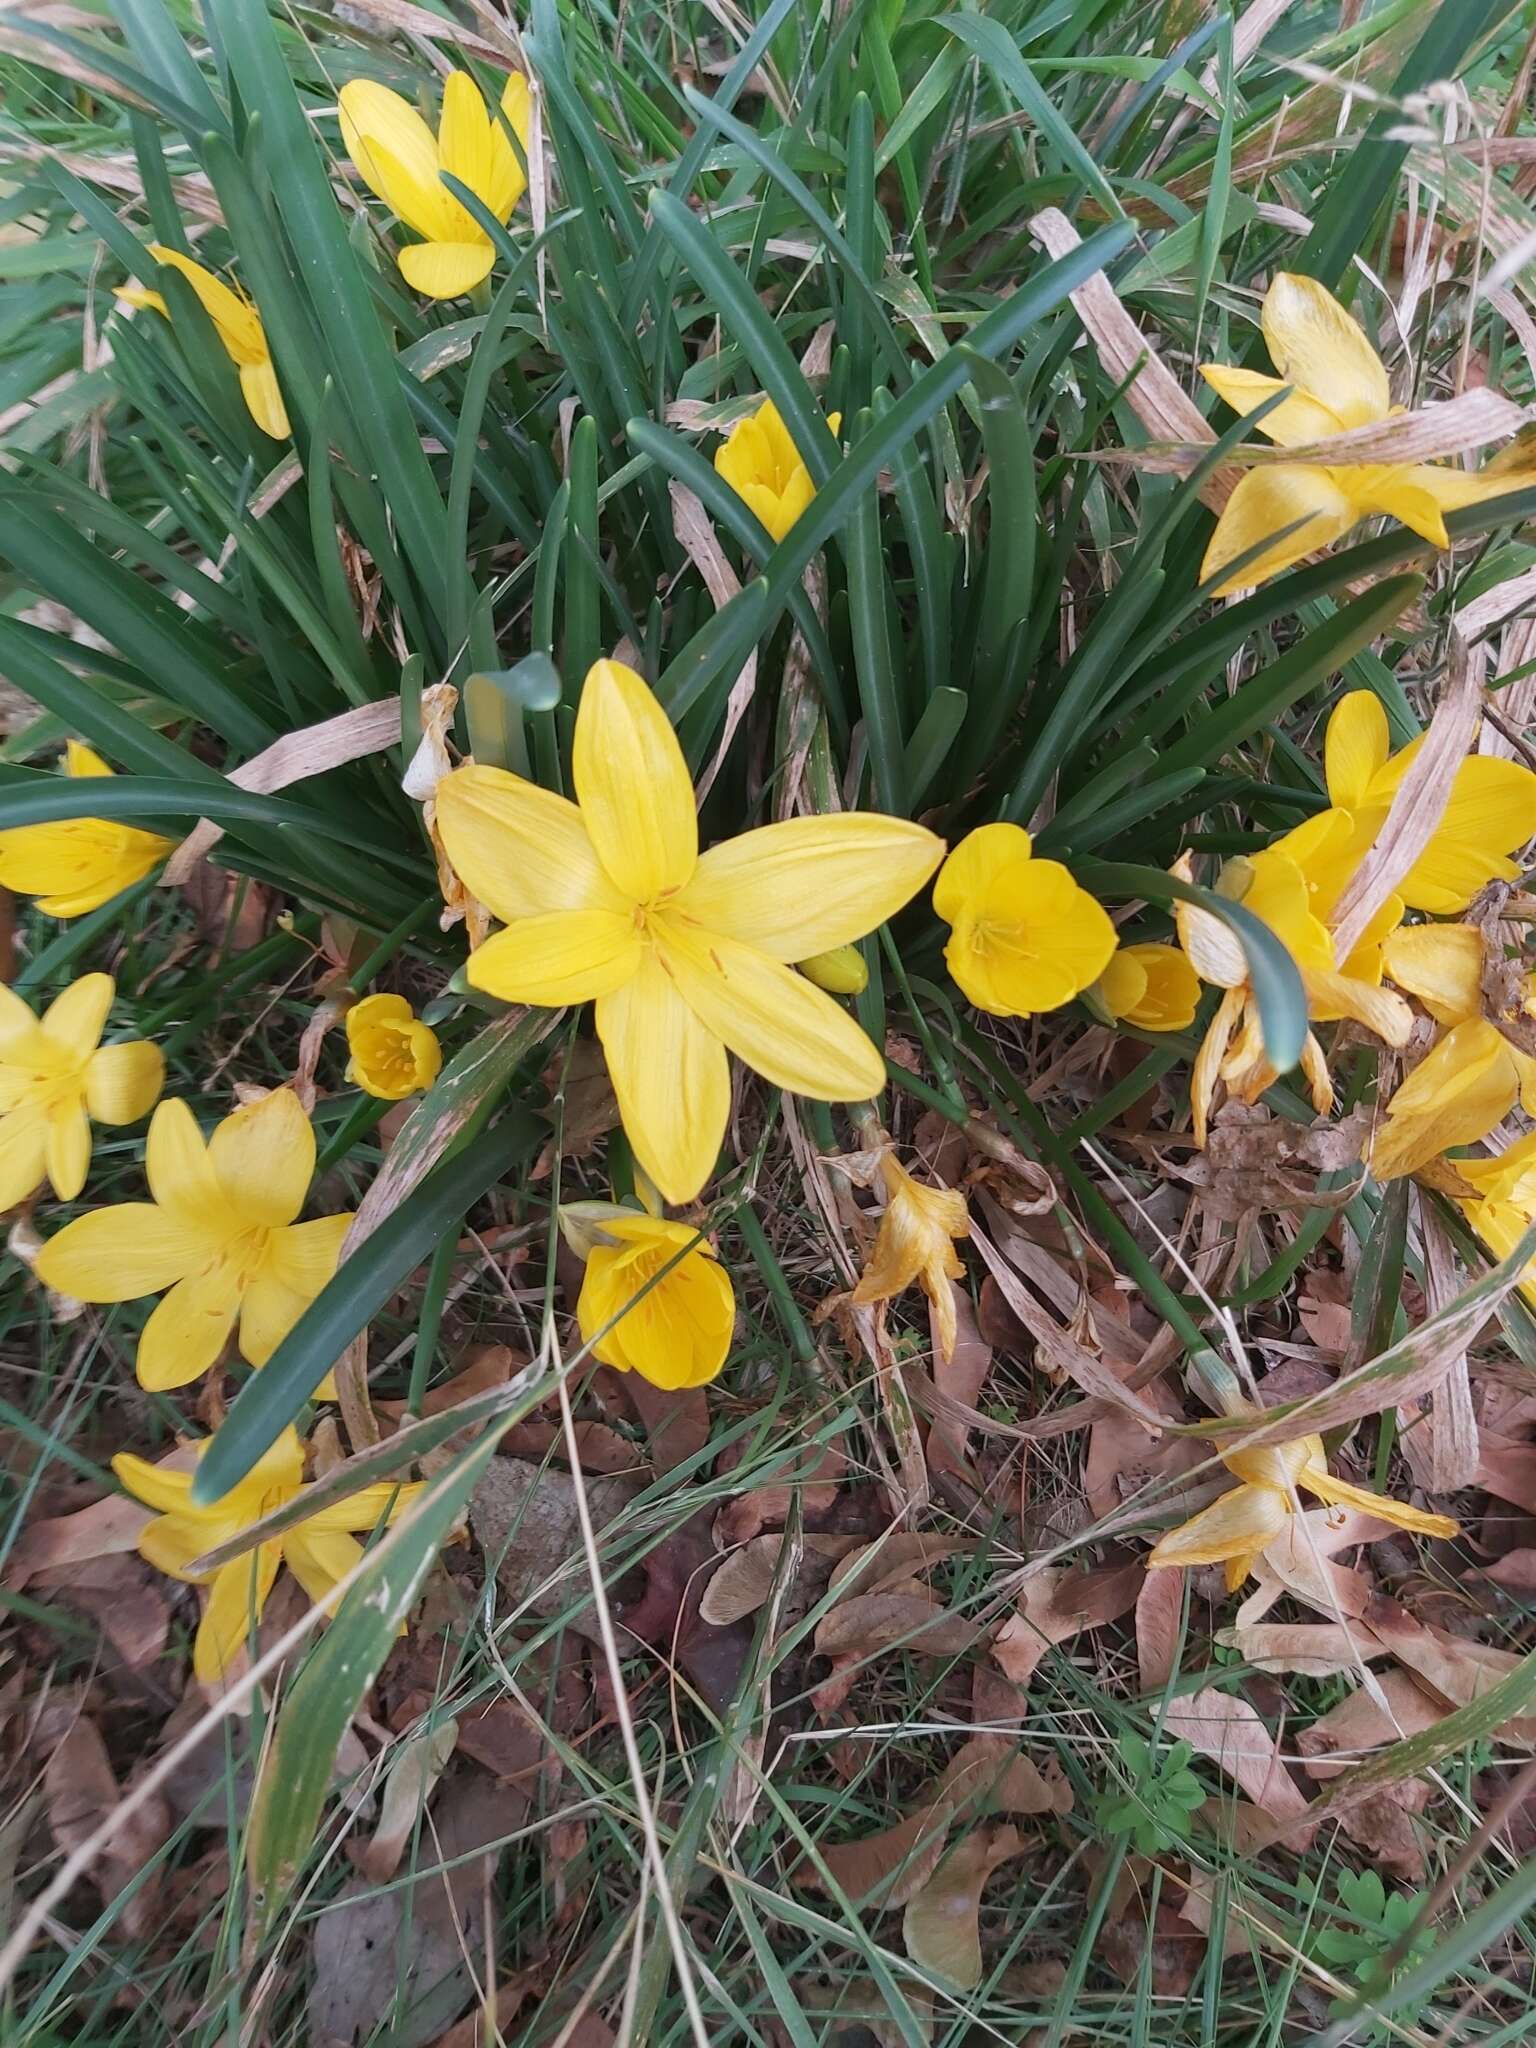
(296, 1770)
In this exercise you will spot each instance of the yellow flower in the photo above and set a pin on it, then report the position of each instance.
(393, 1053)
(686, 954)
(1337, 382)
(1505, 1205)
(219, 1234)
(238, 326)
(1492, 809)
(1474, 1076)
(397, 157)
(762, 465)
(916, 1242)
(1275, 889)
(1025, 936)
(675, 1332)
(56, 1078)
(1235, 1529)
(841, 972)
(73, 865)
(319, 1551)
(1151, 986)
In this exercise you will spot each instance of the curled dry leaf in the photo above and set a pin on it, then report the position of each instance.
(942, 1924)
(1229, 1731)
(1313, 1649)
(408, 1785)
(960, 1376)
(1159, 1608)
(107, 1526)
(899, 1554)
(878, 1621)
(745, 1578)
(884, 1869)
(1363, 1722)
(80, 1791)
(1053, 1605)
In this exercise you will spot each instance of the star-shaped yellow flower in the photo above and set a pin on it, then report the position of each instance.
(57, 1079)
(393, 1053)
(1235, 1529)
(659, 1285)
(319, 1551)
(1337, 382)
(399, 158)
(72, 865)
(220, 1234)
(684, 953)
(1026, 935)
(238, 326)
(1151, 986)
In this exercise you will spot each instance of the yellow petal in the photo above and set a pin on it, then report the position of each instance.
(365, 1509)
(1240, 1523)
(809, 885)
(1491, 813)
(69, 1149)
(633, 786)
(1455, 1095)
(840, 971)
(464, 134)
(23, 1157)
(122, 1082)
(1331, 995)
(1320, 349)
(264, 1157)
(1212, 948)
(1151, 986)
(303, 1256)
(522, 850)
(75, 1020)
(1400, 495)
(1277, 891)
(18, 1024)
(1339, 1493)
(916, 1242)
(1295, 420)
(118, 1254)
(235, 317)
(447, 269)
(396, 157)
(320, 1559)
(671, 1079)
(675, 1334)
(187, 1331)
(774, 1019)
(268, 1311)
(180, 1177)
(1211, 1058)
(976, 867)
(1356, 749)
(508, 179)
(1441, 964)
(235, 1600)
(568, 956)
(1267, 502)
(1026, 937)
(264, 399)
(83, 761)
(165, 1491)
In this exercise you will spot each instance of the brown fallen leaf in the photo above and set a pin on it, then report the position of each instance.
(1159, 1608)
(942, 1923)
(764, 1507)
(745, 1578)
(899, 1554)
(123, 1596)
(1313, 1649)
(524, 1518)
(1228, 1730)
(107, 1526)
(492, 1366)
(1054, 1604)
(409, 1783)
(480, 2026)
(676, 1421)
(80, 1794)
(961, 1377)
(875, 1621)
(884, 1869)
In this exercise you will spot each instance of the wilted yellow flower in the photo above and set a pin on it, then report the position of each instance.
(841, 972)
(319, 1551)
(1492, 811)
(393, 1053)
(1152, 986)
(1275, 889)
(675, 1330)
(916, 1242)
(1505, 1205)
(1026, 937)
(686, 954)
(1474, 1077)
(762, 465)
(219, 1234)
(398, 158)
(1337, 382)
(1235, 1529)
(238, 326)
(57, 1078)
(72, 865)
